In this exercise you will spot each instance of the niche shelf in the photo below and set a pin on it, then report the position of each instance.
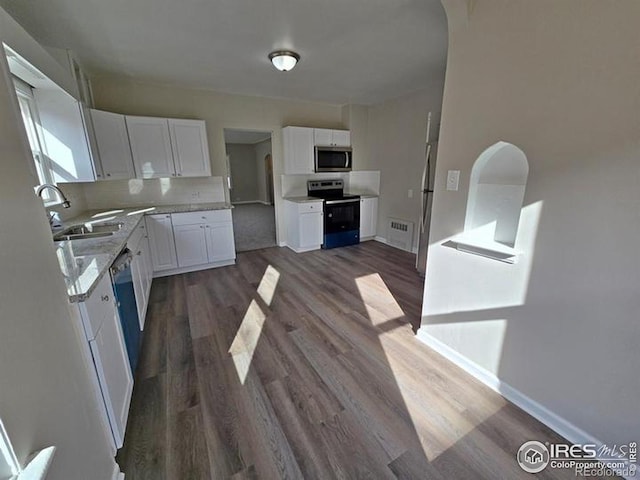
(496, 192)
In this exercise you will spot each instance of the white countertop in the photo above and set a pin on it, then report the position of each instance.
(84, 262)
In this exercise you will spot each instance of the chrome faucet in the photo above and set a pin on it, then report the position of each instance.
(65, 202)
(54, 219)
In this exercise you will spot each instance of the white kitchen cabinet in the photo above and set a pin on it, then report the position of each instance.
(368, 218)
(204, 238)
(220, 242)
(65, 136)
(190, 148)
(141, 270)
(168, 147)
(150, 147)
(304, 225)
(109, 354)
(298, 150)
(161, 242)
(191, 244)
(331, 138)
(110, 130)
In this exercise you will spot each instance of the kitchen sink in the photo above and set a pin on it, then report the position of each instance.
(80, 232)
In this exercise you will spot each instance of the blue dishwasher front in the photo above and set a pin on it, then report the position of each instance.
(127, 308)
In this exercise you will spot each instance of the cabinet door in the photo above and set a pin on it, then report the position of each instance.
(322, 137)
(310, 229)
(65, 136)
(368, 217)
(137, 275)
(190, 148)
(114, 373)
(161, 242)
(341, 138)
(113, 144)
(298, 150)
(150, 147)
(191, 244)
(220, 242)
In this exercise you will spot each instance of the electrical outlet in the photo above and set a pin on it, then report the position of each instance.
(453, 179)
(410, 193)
(195, 194)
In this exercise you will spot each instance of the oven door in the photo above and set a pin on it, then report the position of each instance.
(341, 223)
(333, 159)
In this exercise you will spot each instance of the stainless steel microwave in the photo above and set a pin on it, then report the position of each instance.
(334, 159)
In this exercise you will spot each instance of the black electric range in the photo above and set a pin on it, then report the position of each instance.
(341, 212)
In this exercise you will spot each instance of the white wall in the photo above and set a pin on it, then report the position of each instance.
(244, 172)
(560, 81)
(45, 394)
(396, 136)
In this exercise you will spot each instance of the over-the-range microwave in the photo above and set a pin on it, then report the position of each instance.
(334, 159)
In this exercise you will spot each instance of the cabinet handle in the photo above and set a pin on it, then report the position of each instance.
(179, 174)
(207, 226)
(104, 298)
(139, 252)
(204, 218)
(201, 226)
(167, 216)
(108, 174)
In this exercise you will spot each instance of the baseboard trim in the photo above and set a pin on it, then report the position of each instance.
(282, 244)
(245, 202)
(552, 420)
(384, 240)
(302, 250)
(194, 268)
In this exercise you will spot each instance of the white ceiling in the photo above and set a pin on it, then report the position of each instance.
(353, 51)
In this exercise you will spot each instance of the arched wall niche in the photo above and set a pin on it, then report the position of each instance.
(496, 192)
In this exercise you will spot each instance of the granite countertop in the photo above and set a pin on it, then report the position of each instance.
(84, 262)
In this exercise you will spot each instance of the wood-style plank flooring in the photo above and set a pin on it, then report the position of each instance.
(306, 366)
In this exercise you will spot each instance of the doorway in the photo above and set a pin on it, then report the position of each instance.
(251, 190)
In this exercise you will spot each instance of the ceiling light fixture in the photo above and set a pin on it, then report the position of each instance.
(284, 60)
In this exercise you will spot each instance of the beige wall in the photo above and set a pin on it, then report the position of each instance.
(220, 111)
(244, 172)
(262, 150)
(45, 394)
(396, 137)
(560, 81)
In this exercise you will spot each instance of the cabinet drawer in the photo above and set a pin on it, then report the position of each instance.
(100, 304)
(205, 216)
(310, 207)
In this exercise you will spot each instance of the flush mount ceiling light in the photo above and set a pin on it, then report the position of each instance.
(284, 60)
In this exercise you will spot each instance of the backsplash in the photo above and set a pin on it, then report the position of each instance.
(359, 182)
(156, 191)
(75, 194)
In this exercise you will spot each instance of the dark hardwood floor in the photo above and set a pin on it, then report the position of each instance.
(306, 366)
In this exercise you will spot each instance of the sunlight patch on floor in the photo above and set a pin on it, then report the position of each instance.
(267, 287)
(378, 300)
(246, 340)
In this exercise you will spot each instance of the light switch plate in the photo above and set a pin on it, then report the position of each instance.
(410, 193)
(453, 179)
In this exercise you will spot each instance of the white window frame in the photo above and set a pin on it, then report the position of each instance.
(42, 166)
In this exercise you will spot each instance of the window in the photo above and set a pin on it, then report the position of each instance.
(34, 135)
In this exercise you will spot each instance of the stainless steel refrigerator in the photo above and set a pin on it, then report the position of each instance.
(428, 179)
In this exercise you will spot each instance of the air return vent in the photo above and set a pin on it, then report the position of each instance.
(400, 233)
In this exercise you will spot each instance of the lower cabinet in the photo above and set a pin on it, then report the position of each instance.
(304, 225)
(181, 242)
(368, 218)
(161, 242)
(203, 237)
(141, 269)
(103, 331)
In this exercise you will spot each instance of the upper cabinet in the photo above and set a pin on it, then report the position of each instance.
(110, 132)
(65, 137)
(331, 138)
(190, 148)
(164, 147)
(298, 150)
